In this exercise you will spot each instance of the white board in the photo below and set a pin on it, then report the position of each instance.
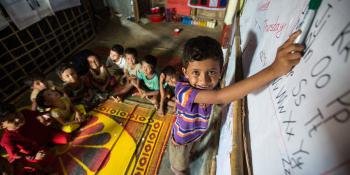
(300, 123)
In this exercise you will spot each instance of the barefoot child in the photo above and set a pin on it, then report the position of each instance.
(131, 69)
(116, 62)
(37, 83)
(167, 82)
(202, 67)
(100, 77)
(76, 88)
(26, 139)
(148, 81)
(62, 110)
(132, 66)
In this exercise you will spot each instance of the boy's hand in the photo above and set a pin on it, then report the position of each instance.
(141, 94)
(288, 55)
(78, 116)
(38, 156)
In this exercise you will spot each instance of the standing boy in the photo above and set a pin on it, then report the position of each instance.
(202, 67)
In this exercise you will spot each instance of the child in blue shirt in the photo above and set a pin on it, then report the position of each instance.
(202, 67)
(148, 81)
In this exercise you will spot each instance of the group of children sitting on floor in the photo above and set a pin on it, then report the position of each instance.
(25, 137)
(62, 109)
(121, 75)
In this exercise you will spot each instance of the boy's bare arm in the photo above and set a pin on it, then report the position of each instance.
(125, 73)
(162, 93)
(288, 55)
(34, 105)
(151, 93)
(161, 88)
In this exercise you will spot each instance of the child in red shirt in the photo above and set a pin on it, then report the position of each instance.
(26, 139)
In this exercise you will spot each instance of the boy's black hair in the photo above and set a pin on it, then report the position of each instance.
(6, 109)
(131, 51)
(169, 70)
(93, 54)
(62, 67)
(118, 48)
(151, 60)
(40, 100)
(201, 48)
(34, 77)
(80, 63)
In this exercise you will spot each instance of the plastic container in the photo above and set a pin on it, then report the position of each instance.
(155, 10)
(155, 17)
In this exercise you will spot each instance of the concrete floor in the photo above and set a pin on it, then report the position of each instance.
(159, 40)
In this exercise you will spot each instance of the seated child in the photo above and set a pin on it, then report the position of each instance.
(62, 110)
(132, 66)
(26, 139)
(167, 82)
(76, 88)
(100, 78)
(148, 82)
(202, 67)
(130, 71)
(115, 63)
(37, 83)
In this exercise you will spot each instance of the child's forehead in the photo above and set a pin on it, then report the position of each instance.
(170, 76)
(38, 81)
(92, 57)
(144, 63)
(129, 55)
(68, 70)
(204, 64)
(114, 52)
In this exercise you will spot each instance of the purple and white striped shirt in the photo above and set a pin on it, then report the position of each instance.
(191, 118)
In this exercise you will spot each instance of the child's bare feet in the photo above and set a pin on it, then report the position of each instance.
(156, 106)
(161, 111)
(117, 99)
(154, 102)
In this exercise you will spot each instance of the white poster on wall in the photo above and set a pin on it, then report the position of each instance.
(300, 123)
(58, 5)
(3, 22)
(27, 12)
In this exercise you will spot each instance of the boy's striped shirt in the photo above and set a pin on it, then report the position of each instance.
(191, 118)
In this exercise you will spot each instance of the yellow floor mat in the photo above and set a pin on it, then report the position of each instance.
(120, 138)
